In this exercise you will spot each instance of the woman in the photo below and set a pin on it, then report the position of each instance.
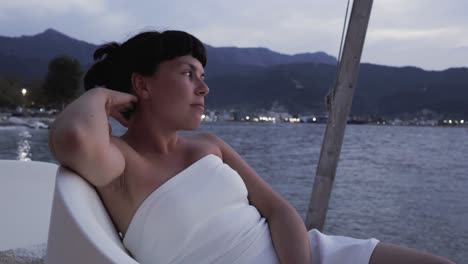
(184, 199)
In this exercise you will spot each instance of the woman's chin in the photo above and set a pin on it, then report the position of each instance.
(192, 126)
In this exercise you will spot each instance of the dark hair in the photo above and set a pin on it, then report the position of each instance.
(115, 63)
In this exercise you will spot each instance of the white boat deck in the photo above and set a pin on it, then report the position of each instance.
(26, 194)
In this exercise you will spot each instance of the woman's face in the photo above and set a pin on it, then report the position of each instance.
(177, 93)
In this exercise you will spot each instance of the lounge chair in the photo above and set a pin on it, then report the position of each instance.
(81, 230)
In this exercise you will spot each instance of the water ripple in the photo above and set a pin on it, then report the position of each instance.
(404, 185)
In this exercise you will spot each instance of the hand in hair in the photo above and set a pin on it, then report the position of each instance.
(118, 104)
(80, 136)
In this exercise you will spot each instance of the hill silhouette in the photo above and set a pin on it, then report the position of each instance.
(258, 78)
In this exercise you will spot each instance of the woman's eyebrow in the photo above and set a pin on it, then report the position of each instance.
(192, 66)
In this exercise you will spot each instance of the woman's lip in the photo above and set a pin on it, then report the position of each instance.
(199, 106)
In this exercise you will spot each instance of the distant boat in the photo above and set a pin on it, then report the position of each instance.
(27, 122)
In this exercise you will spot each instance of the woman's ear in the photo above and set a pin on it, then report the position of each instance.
(140, 86)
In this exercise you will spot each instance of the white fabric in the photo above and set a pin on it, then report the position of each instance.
(202, 215)
(340, 249)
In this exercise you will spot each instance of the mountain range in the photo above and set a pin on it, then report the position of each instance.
(258, 78)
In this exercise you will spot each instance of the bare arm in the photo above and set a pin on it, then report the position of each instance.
(385, 253)
(80, 138)
(288, 231)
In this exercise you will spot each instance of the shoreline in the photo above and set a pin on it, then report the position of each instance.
(43, 120)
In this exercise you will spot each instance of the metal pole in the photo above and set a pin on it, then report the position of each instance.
(341, 100)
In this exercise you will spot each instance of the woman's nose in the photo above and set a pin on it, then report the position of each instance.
(202, 89)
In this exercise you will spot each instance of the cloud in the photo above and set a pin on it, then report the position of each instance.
(405, 30)
(89, 20)
(417, 32)
(53, 7)
(302, 26)
(412, 34)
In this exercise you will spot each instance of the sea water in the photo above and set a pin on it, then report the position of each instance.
(403, 185)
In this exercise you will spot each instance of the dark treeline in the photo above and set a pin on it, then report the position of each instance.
(61, 84)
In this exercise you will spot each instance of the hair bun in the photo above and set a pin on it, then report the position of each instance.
(109, 49)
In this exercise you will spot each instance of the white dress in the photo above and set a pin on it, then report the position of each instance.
(202, 215)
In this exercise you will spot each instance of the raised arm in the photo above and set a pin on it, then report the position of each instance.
(80, 137)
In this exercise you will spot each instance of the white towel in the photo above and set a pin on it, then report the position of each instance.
(202, 215)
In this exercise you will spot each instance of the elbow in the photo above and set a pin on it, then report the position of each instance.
(276, 207)
(283, 209)
(66, 143)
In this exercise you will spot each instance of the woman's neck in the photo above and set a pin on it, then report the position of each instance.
(149, 136)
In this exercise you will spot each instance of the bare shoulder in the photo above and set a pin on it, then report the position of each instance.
(211, 139)
(205, 142)
(205, 136)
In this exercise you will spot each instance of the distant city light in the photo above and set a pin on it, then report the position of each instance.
(287, 118)
(24, 91)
